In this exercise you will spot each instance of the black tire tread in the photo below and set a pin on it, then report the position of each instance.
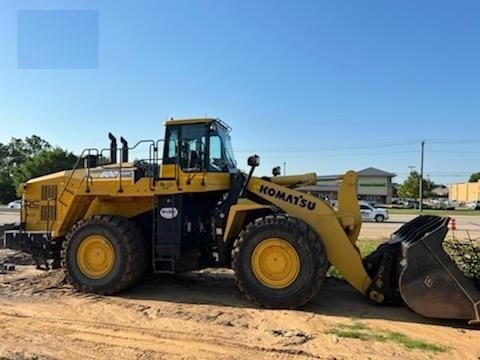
(296, 226)
(135, 248)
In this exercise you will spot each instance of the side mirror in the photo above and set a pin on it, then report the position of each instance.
(276, 171)
(253, 161)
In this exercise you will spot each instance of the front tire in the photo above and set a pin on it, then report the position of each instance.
(104, 254)
(379, 218)
(279, 262)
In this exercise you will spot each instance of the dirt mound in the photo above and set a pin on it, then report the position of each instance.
(15, 257)
(29, 281)
(25, 356)
(202, 315)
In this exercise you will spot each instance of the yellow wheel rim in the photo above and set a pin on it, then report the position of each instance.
(95, 256)
(275, 263)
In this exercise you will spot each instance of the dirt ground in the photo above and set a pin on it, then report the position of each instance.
(202, 315)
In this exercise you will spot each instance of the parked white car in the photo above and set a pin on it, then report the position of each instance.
(474, 205)
(370, 213)
(15, 204)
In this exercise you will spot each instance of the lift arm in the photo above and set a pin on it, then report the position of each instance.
(338, 230)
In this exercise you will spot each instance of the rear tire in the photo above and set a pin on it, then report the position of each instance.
(104, 254)
(279, 262)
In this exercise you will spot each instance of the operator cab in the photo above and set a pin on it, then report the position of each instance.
(191, 149)
(199, 145)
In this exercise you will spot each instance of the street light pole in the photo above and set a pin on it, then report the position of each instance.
(420, 205)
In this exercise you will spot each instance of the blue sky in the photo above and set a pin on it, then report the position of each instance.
(321, 86)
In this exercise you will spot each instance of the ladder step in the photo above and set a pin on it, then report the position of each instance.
(165, 248)
(164, 258)
(164, 266)
(166, 240)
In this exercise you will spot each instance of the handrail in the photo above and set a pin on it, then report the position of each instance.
(88, 151)
(154, 157)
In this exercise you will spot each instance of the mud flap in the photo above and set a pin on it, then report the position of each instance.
(429, 282)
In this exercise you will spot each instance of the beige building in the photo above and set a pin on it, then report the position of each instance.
(464, 192)
(373, 185)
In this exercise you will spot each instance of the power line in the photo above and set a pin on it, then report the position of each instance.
(380, 145)
(326, 155)
(453, 141)
(453, 152)
(331, 148)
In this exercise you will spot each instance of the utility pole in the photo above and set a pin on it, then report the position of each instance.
(420, 204)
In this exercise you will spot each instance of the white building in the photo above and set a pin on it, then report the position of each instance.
(373, 185)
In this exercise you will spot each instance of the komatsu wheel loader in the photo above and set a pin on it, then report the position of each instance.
(184, 205)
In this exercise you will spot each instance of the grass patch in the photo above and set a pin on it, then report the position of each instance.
(410, 343)
(357, 330)
(357, 325)
(360, 335)
(366, 247)
(361, 331)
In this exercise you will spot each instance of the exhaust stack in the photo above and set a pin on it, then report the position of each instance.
(124, 149)
(113, 148)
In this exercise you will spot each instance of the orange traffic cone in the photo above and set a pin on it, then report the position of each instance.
(452, 225)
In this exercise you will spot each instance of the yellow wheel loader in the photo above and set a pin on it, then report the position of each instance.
(182, 204)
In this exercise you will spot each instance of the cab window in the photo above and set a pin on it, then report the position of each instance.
(216, 160)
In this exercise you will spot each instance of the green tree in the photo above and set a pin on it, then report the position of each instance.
(23, 159)
(12, 155)
(17, 151)
(474, 177)
(411, 186)
(7, 187)
(35, 144)
(45, 162)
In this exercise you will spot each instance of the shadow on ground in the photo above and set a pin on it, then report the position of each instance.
(217, 287)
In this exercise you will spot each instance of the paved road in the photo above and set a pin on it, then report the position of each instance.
(373, 230)
(9, 216)
(370, 230)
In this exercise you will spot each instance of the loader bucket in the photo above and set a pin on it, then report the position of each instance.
(429, 281)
